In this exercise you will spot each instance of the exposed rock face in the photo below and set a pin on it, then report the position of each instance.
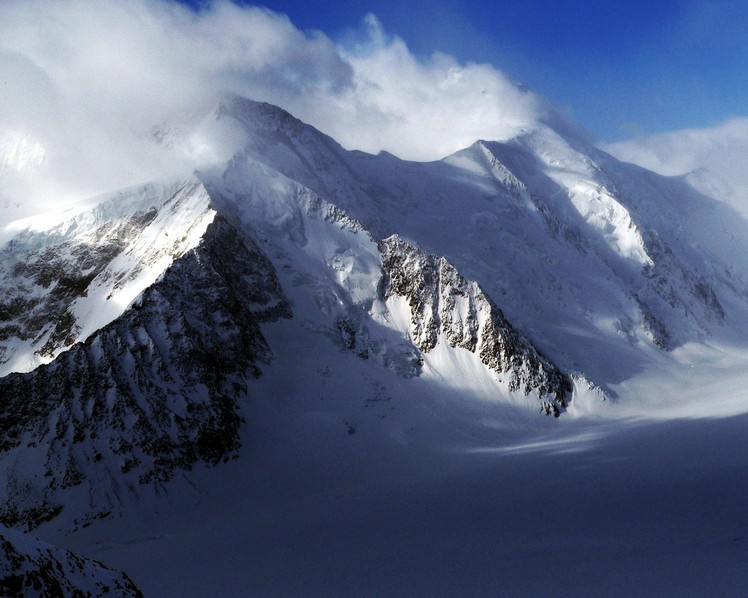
(154, 391)
(31, 568)
(49, 277)
(65, 269)
(443, 302)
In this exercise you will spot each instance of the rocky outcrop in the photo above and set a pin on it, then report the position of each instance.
(32, 568)
(443, 303)
(66, 270)
(52, 279)
(153, 392)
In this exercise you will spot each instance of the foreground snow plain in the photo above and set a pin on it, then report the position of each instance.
(626, 499)
(352, 480)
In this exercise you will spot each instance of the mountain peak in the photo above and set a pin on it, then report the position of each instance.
(241, 107)
(296, 290)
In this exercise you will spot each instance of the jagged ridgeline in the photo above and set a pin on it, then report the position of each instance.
(155, 390)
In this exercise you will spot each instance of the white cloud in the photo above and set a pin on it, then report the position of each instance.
(721, 150)
(425, 110)
(83, 83)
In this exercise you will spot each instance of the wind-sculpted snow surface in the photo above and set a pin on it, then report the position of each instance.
(442, 301)
(153, 392)
(29, 567)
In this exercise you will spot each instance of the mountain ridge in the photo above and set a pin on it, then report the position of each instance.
(528, 273)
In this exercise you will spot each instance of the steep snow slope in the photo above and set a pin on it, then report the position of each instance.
(431, 273)
(441, 301)
(159, 388)
(355, 280)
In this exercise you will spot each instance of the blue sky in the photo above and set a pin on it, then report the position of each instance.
(623, 68)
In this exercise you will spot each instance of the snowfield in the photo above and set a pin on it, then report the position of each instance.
(479, 501)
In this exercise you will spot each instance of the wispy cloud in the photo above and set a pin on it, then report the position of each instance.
(721, 150)
(82, 85)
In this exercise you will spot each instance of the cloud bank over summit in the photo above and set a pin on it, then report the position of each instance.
(84, 83)
(722, 150)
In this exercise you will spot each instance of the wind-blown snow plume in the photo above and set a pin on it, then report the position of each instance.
(425, 110)
(87, 90)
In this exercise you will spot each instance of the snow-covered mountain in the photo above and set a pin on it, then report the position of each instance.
(374, 296)
(555, 230)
